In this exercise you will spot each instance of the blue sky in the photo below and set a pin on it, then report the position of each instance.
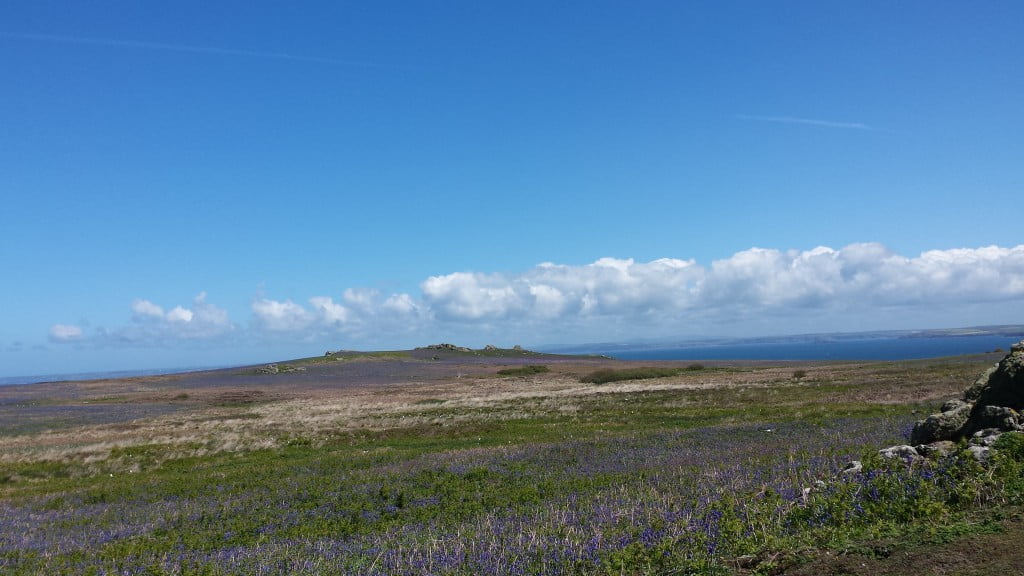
(193, 184)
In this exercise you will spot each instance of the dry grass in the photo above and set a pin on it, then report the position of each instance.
(219, 418)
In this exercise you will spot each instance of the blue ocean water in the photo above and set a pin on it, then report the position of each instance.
(35, 379)
(907, 348)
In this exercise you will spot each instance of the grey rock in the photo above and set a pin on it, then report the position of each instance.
(448, 347)
(936, 449)
(952, 405)
(986, 437)
(980, 453)
(971, 394)
(852, 467)
(941, 426)
(903, 452)
(1000, 417)
(1005, 386)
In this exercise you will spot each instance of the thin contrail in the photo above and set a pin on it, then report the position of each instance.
(112, 43)
(809, 122)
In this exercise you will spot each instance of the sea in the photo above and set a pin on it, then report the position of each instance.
(875, 348)
(38, 378)
(904, 348)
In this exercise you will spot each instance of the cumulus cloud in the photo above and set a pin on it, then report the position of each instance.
(274, 316)
(65, 333)
(860, 286)
(151, 324)
(607, 287)
(203, 320)
(855, 282)
(756, 281)
(359, 312)
(145, 309)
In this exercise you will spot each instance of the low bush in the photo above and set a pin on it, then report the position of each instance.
(523, 370)
(606, 375)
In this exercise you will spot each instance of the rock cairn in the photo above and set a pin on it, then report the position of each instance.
(987, 409)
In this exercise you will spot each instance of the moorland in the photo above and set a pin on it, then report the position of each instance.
(443, 460)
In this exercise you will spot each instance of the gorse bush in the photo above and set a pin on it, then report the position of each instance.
(524, 370)
(609, 375)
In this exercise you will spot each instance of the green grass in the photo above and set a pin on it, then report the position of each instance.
(353, 484)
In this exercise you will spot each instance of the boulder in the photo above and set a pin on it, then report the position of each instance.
(986, 437)
(852, 467)
(974, 391)
(1005, 384)
(980, 453)
(936, 449)
(903, 452)
(951, 405)
(946, 425)
(994, 401)
(999, 417)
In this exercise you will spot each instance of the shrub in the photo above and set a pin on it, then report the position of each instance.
(524, 370)
(606, 375)
(798, 374)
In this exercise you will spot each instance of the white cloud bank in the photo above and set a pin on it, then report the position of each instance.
(152, 325)
(765, 291)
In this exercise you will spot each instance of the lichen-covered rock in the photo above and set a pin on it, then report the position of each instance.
(999, 417)
(903, 452)
(986, 437)
(980, 453)
(971, 394)
(1005, 386)
(852, 467)
(941, 426)
(951, 405)
(995, 400)
(936, 449)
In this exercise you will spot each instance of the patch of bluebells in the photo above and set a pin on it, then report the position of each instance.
(687, 497)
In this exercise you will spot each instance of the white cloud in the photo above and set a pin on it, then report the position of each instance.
(402, 304)
(65, 333)
(759, 290)
(857, 280)
(607, 287)
(329, 311)
(146, 309)
(152, 324)
(467, 296)
(275, 316)
(179, 315)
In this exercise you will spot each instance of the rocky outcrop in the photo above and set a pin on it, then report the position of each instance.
(279, 369)
(447, 347)
(989, 407)
(945, 425)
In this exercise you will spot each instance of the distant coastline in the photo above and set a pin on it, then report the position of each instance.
(875, 345)
(78, 376)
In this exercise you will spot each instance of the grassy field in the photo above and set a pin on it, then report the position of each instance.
(504, 462)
